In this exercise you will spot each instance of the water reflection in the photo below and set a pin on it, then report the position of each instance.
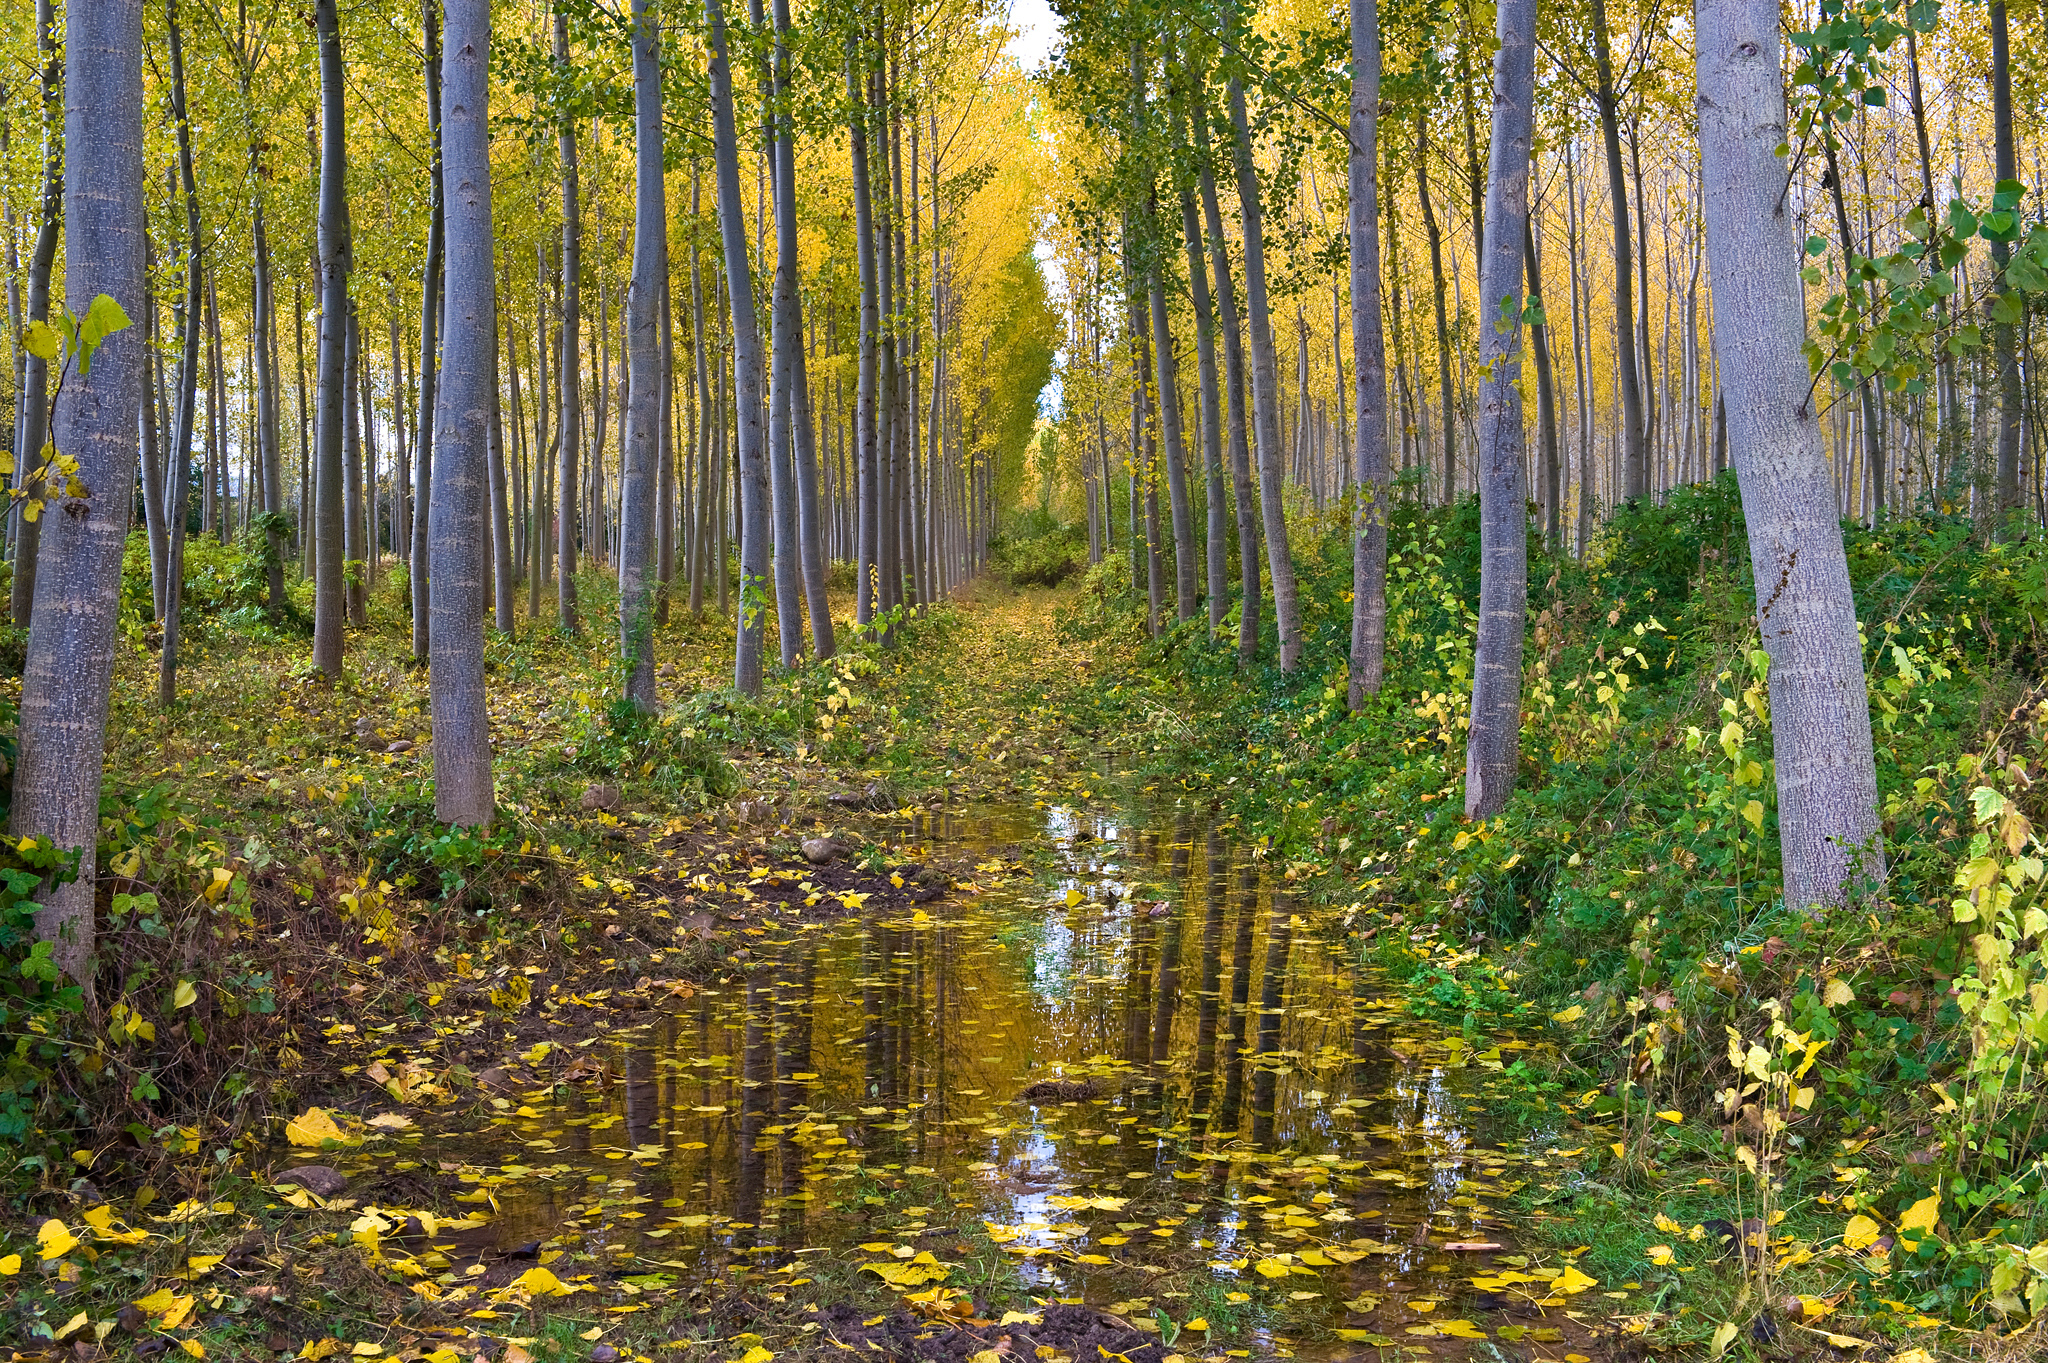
(865, 1076)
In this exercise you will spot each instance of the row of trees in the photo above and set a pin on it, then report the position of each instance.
(1862, 350)
(689, 291)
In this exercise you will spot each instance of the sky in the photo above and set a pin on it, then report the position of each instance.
(1037, 30)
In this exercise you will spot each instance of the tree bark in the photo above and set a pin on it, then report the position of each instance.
(1265, 389)
(2011, 412)
(462, 414)
(1494, 742)
(1235, 381)
(1443, 324)
(330, 588)
(746, 345)
(1634, 436)
(639, 454)
(68, 675)
(419, 568)
(568, 352)
(1369, 361)
(35, 391)
(1806, 611)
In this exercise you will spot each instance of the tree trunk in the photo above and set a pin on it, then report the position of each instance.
(68, 675)
(568, 352)
(1546, 393)
(1494, 743)
(640, 438)
(330, 588)
(1634, 437)
(180, 464)
(1265, 389)
(1443, 324)
(501, 559)
(1820, 717)
(1235, 380)
(1369, 360)
(462, 413)
(419, 572)
(867, 483)
(35, 399)
(1211, 410)
(2006, 490)
(746, 345)
(355, 554)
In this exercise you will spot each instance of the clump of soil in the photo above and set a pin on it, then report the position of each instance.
(1061, 1091)
(1075, 1331)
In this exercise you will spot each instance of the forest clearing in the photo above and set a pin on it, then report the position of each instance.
(693, 684)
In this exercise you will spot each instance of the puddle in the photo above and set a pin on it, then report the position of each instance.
(1229, 1115)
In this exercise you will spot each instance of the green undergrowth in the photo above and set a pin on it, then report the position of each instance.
(1853, 1063)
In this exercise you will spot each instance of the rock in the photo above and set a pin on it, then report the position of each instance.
(402, 745)
(502, 1079)
(754, 812)
(315, 1178)
(1060, 1091)
(1160, 908)
(600, 797)
(822, 851)
(604, 1353)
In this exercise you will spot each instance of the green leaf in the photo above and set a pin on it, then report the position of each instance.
(2006, 310)
(1816, 246)
(102, 320)
(2008, 194)
(1873, 96)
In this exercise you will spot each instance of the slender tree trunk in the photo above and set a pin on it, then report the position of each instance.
(746, 337)
(1369, 356)
(1211, 410)
(1165, 369)
(1546, 393)
(501, 559)
(1265, 389)
(68, 676)
(1634, 435)
(354, 553)
(1238, 385)
(1820, 717)
(569, 390)
(665, 489)
(1443, 324)
(1494, 742)
(2006, 491)
(707, 479)
(35, 391)
(419, 568)
(639, 453)
(188, 373)
(867, 483)
(462, 414)
(330, 602)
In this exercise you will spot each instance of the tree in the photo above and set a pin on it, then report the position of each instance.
(746, 359)
(569, 391)
(1494, 743)
(639, 451)
(69, 667)
(330, 601)
(462, 419)
(1369, 355)
(1806, 611)
(419, 551)
(35, 379)
(1635, 438)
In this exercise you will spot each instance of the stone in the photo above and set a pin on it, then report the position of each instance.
(600, 797)
(822, 851)
(315, 1178)
(402, 745)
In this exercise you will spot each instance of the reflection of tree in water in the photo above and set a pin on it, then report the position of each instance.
(1239, 1036)
(1166, 997)
(1272, 1013)
(1209, 992)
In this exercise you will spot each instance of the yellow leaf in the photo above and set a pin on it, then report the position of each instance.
(1838, 993)
(312, 1127)
(10, 1266)
(912, 1272)
(1861, 1232)
(367, 1350)
(540, 1283)
(1659, 1254)
(313, 1350)
(1073, 898)
(1270, 1268)
(180, 1311)
(1672, 1115)
(222, 878)
(1571, 1280)
(184, 996)
(1571, 1014)
(1198, 1323)
(1723, 1334)
(193, 1347)
(41, 340)
(1921, 1216)
(157, 1302)
(203, 1264)
(55, 1239)
(757, 1354)
(73, 1325)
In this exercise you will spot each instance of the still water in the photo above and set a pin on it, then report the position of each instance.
(1138, 1076)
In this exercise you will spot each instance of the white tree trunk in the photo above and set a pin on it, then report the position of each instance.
(1820, 712)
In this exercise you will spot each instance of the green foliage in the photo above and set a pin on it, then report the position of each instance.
(36, 1002)
(1034, 550)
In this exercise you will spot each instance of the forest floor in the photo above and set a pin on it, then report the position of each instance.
(430, 1026)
